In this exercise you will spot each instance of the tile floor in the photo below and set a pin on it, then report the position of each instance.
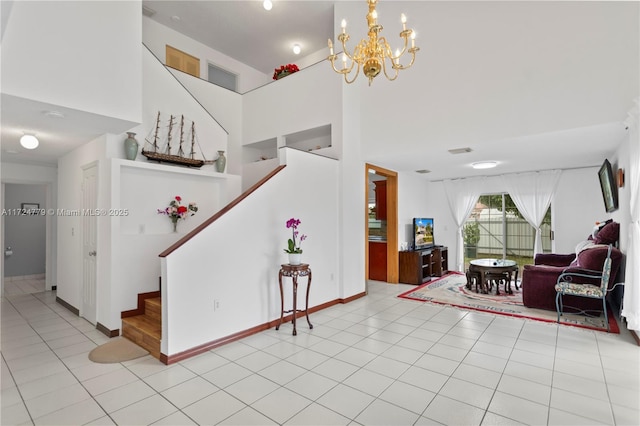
(23, 286)
(379, 360)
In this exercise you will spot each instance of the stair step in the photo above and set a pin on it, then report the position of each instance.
(153, 308)
(144, 331)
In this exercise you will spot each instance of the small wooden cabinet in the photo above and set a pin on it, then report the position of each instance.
(381, 199)
(420, 266)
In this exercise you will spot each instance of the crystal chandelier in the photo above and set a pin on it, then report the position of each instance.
(372, 54)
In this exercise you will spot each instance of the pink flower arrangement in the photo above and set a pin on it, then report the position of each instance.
(288, 69)
(177, 211)
(293, 245)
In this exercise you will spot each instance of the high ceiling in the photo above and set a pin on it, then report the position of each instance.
(533, 88)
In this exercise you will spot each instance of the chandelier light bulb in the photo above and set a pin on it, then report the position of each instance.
(296, 49)
(267, 4)
(29, 141)
(403, 19)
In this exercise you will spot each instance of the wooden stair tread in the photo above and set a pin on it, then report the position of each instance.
(146, 324)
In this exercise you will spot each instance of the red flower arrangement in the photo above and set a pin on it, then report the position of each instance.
(285, 70)
(177, 211)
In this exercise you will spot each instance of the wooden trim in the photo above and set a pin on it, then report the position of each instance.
(635, 336)
(70, 307)
(109, 333)
(171, 359)
(222, 211)
(140, 309)
(393, 268)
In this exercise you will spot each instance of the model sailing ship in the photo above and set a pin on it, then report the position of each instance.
(164, 153)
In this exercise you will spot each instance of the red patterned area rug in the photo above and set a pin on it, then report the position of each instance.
(451, 290)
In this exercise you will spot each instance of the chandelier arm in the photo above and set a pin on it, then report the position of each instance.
(354, 77)
(384, 70)
(413, 58)
(332, 59)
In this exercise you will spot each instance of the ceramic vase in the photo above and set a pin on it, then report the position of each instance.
(295, 258)
(221, 162)
(131, 146)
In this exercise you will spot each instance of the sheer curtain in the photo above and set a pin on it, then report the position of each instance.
(462, 196)
(631, 300)
(532, 193)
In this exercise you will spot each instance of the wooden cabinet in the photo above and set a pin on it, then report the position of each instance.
(381, 199)
(420, 266)
(182, 61)
(378, 260)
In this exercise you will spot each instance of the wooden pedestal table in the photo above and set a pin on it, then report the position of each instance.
(488, 270)
(294, 271)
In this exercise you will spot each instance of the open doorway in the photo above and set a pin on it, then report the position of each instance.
(381, 229)
(24, 238)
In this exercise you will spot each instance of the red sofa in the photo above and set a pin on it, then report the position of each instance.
(539, 280)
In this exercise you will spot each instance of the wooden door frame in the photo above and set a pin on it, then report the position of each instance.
(393, 274)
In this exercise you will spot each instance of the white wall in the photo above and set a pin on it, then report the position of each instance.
(156, 36)
(236, 259)
(83, 55)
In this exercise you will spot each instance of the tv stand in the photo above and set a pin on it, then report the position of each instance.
(420, 266)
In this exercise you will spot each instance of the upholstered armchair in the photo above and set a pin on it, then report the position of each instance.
(539, 280)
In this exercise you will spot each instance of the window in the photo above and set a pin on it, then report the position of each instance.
(496, 229)
(222, 78)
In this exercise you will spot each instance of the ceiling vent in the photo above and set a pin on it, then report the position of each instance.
(423, 171)
(460, 150)
(147, 11)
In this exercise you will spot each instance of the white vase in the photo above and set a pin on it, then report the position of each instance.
(294, 258)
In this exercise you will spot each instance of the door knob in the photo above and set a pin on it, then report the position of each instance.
(92, 253)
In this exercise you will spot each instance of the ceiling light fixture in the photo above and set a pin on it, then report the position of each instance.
(267, 4)
(296, 49)
(371, 55)
(484, 164)
(29, 141)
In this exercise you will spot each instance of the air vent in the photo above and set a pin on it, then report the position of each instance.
(423, 171)
(460, 150)
(147, 11)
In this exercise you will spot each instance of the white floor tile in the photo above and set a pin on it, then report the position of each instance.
(451, 412)
(519, 409)
(188, 392)
(345, 400)
(383, 413)
(146, 411)
(281, 404)
(317, 415)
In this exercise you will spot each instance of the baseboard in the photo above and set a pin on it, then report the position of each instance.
(109, 333)
(635, 336)
(180, 356)
(69, 306)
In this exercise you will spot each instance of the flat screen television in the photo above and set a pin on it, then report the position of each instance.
(608, 187)
(422, 233)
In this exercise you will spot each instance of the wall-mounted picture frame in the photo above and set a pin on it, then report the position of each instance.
(30, 208)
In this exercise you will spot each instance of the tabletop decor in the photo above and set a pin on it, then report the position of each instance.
(293, 244)
(177, 211)
(284, 71)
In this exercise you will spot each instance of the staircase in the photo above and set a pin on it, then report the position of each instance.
(143, 325)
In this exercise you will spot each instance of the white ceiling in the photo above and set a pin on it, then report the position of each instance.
(575, 119)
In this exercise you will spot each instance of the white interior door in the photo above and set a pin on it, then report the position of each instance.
(89, 243)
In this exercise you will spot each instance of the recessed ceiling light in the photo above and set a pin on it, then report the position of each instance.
(296, 49)
(423, 171)
(460, 150)
(484, 164)
(54, 114)
(29, 141)
(267, 4)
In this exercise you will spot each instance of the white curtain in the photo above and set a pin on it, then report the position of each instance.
(631, 301)
(462, 196)
(532, 193)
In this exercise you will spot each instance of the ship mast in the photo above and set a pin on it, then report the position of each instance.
(155, 135)
(193, 135)
(180, 150)
(169, 135)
